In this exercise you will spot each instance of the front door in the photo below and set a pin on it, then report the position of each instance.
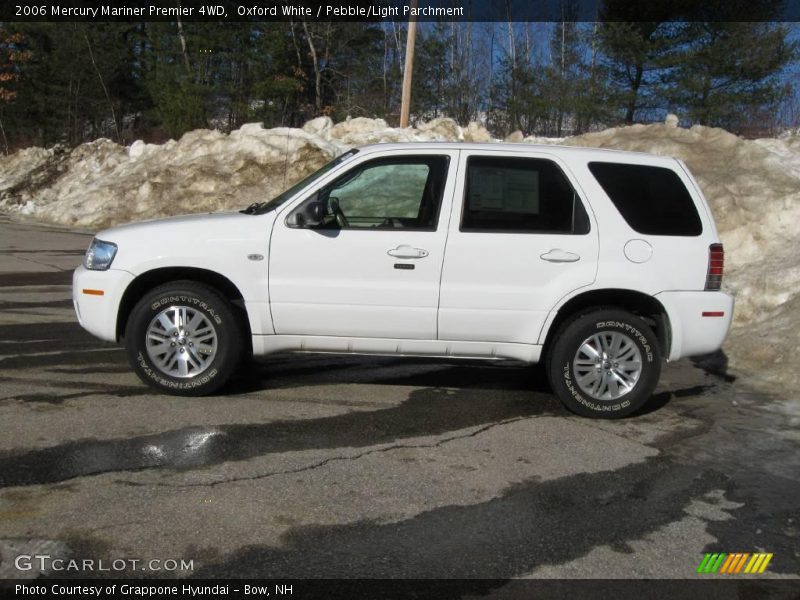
(372, 268)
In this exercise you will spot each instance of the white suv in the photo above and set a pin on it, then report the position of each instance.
(598, 262)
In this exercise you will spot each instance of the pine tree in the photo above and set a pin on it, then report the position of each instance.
(12, 58)
(635, 54)
(636, 40)
(77, 83)
(729, 71)
(518, 98)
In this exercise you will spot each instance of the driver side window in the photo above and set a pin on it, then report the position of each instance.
(390, 193)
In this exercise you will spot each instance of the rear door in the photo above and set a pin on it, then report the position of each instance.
(373, 268)
(521, 238)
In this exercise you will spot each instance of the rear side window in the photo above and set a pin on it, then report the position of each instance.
(521, 195)
(652, 200)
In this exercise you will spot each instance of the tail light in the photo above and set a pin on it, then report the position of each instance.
(716, 264)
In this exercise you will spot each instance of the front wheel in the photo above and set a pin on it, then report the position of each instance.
(183, 339)
(604, 364)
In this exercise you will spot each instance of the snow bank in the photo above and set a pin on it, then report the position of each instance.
(753, 188)
(101, 183)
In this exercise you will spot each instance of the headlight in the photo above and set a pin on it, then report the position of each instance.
(99, 255)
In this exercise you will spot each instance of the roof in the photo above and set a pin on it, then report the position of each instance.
(554, 149)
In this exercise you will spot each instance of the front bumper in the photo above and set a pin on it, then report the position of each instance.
(96, 296)
(699, 321)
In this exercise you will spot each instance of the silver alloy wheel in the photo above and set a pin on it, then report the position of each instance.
(181, 341)
(607, 365)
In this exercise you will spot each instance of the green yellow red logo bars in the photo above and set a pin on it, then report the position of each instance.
(738, 562)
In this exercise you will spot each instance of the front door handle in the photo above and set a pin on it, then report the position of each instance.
(404, 251)
(557, 255)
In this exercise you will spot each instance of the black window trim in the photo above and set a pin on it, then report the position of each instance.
(576, 197)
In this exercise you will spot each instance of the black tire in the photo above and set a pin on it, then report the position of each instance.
(209, 307)
(611, 325)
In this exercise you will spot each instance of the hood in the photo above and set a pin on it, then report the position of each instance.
(167, 225)
(190, 240)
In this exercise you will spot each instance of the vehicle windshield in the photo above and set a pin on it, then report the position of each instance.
(259, 208)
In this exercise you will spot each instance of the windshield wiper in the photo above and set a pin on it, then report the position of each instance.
(252, 209)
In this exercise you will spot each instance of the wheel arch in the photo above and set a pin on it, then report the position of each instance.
(638, 303)
(148, 280)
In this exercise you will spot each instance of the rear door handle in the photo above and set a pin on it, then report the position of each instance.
(557, 255)
(404, 251)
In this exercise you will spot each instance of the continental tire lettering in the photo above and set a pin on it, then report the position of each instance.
(628, 328)
(169, 383)
(187, 300)
(585, 401)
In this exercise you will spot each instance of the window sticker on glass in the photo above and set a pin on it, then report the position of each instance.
(523, 191)
(486, 189)
(510, 190)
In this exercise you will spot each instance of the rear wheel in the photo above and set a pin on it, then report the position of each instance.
(604, 364)
(183, 338)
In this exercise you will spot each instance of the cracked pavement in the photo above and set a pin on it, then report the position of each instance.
(334, 466)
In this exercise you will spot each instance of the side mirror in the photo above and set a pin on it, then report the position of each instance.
(310, 214)
(313, 213)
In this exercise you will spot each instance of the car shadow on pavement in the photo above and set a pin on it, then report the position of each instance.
(426, 412)
(531, 524)
(715, 363)
(287, 371)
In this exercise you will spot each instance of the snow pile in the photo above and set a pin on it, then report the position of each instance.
(25, 172)
(753, 188)
(100, 183)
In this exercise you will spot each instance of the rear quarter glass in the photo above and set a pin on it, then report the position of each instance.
(652, 200)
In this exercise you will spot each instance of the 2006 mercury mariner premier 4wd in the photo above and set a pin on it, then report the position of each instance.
(600, 263)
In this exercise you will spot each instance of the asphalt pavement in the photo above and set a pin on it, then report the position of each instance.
(336, 466)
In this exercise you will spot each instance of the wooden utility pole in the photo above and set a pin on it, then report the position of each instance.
(405, 105)
(183, 41)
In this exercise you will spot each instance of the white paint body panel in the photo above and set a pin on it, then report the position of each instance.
(98, 314)
(692, 333)
(477, 295)
(219, 242)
